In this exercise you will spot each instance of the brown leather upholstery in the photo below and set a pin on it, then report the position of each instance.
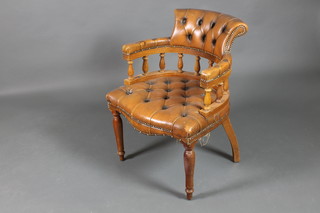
(209, 31)
(148, 110)
(181, 104)
(167, 105)
(206, 30)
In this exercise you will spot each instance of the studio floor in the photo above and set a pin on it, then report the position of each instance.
(58, 154)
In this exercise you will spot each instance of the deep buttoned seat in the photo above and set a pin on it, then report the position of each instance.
(178, 103)
(168, 104)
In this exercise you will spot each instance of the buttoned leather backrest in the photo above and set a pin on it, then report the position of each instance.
(206, 30)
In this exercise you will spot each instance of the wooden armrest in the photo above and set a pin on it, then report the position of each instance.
(128, 49)
(218, 73)
(217, 77)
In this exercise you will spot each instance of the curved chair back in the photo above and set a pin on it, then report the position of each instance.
(208, 31)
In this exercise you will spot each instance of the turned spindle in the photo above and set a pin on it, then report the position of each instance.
(180, 62)
(130, 69)
(145, 65)
(197, 65)
(162, 63)
(219, 92)
(226, 86)
(207, 98)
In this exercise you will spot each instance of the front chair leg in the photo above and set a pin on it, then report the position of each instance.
(232, 138)
(189, 161)
(118, 132)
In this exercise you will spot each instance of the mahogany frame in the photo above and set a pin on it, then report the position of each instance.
(214, 78)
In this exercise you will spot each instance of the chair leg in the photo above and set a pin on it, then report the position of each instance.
(189, 162)
(118, 131)
(232, 138)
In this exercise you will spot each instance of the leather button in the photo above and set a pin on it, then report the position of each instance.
(224, 28)
(168, 90)
(167, 82)
(203, 38)
(200, 21)
(149, 90)
(146, 100)
(189, 37)
(212, 25)
(184, 20)
(185, 104)
(185, 88)
(165, 97)
(149, 82)
(164, 107)
(184, 80)
(184, 115)
(214, 42)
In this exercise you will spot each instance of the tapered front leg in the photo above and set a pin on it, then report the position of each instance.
(118, 132)
(232, 138)
(189, 162)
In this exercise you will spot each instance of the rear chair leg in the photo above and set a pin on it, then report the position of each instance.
(232, 138)
(118, 131)
(189, 162)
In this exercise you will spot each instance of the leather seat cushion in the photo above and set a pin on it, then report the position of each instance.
(169, 104)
